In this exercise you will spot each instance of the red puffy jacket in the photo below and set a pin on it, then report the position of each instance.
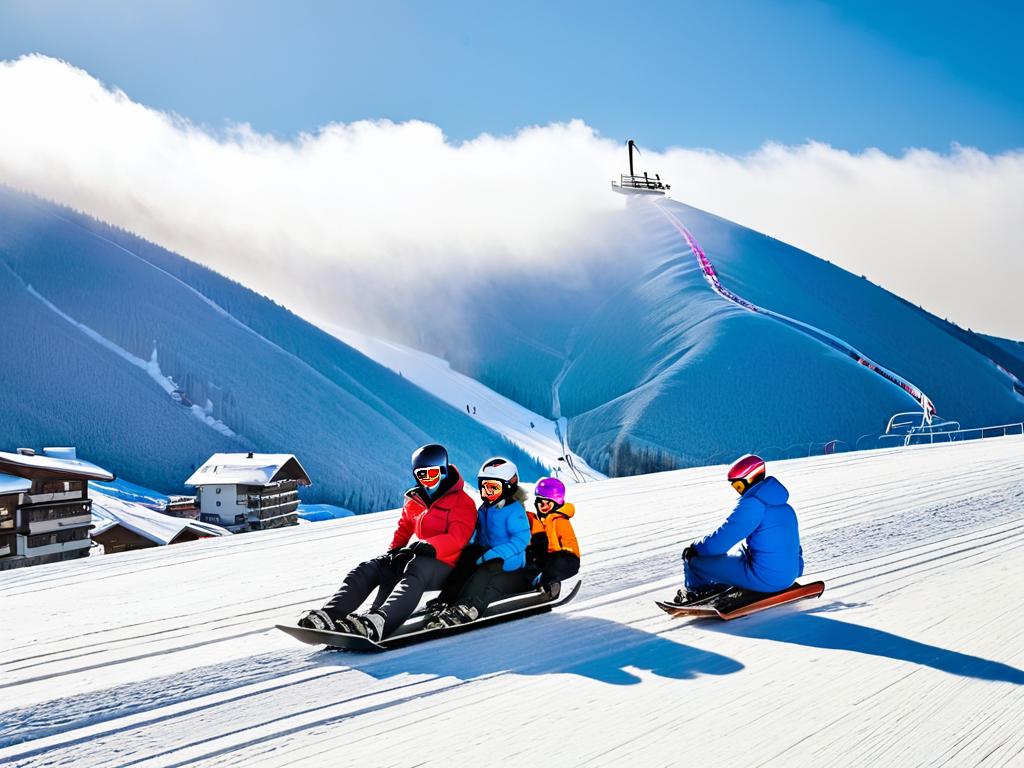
(446, 524)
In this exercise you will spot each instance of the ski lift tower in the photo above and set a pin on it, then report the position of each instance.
(638, 185)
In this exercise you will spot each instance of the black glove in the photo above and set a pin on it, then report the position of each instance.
(531, 555)
(423, 549)
(399, 556)
(537, 550)
(689, 553)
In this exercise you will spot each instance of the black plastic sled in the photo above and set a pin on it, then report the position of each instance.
(516, 607)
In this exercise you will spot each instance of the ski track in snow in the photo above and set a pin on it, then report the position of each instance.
(711, 276)
(168, 656)
(544, 440)
(151, 366)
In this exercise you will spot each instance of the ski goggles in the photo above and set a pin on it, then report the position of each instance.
(540, 502)
(491, 487)
(428, 474)
(740, 486)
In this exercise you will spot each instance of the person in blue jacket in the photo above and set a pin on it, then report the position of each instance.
(491, 566)
(771, 558)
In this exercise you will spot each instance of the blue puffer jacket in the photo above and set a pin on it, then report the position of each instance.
(768, 523)
(505, 532)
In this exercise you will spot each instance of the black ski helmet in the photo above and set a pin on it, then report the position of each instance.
(432, 455)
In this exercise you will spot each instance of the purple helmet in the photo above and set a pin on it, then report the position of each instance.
(550, 488)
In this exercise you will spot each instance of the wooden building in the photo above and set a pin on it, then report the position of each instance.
(249, 492)
(53, 516)
(183, 506)
(122, 526)
(11, 489)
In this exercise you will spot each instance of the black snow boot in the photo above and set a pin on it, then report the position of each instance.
(370, 625)
(552, 590)
(434, 607)
(317, 619)
(458, 614)
(685, 596)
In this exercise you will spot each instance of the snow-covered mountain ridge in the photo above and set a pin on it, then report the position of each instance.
(149, 364)
(912, 657)
(655, 366)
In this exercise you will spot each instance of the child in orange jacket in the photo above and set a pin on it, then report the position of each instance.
(554, 550)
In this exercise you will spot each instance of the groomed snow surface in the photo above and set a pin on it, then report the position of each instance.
(912, 657)
(540, 437)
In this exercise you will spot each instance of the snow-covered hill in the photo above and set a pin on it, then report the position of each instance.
(538, 436)
(149, 363)
(654, 366)
(912, 657)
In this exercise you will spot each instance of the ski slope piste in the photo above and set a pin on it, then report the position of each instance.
(912, 657)
(708, 268)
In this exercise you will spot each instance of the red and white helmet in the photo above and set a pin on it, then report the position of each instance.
(746, 472)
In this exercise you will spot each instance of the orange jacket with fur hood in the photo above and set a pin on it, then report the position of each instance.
(561, 536)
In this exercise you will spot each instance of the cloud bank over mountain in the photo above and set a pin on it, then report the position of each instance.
(376, 211)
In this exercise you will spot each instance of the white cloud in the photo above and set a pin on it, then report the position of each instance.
(939, 230)
(377, 208)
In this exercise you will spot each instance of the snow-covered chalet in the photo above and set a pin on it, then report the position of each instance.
(122, 526)
(45, 509)
(252, 491)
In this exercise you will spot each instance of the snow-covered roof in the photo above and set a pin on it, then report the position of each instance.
(108, 511)
(249, 469)
(60, 461)
(10, 484)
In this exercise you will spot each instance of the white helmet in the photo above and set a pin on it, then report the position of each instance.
(500, 468)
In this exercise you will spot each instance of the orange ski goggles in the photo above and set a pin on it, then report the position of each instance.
(491, 487)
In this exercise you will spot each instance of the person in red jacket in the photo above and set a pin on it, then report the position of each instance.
(440, 516)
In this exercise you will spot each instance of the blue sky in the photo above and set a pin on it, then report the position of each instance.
(722, 75)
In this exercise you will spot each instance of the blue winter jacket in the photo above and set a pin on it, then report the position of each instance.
(505, 532)
(768, 523)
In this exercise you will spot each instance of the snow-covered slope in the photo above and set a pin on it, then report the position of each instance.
(655, 367)
(538, 436)
(912, 656)
(149, 363)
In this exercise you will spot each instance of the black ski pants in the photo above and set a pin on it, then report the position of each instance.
(558, 566)
(464, 568)
(400, 579)
(489, 583)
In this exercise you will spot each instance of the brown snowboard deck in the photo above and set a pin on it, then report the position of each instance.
(737, 603)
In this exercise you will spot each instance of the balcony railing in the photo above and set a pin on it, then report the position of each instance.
(643, 183)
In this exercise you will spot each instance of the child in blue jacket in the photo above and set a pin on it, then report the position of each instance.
(771, 558)
(491, 565)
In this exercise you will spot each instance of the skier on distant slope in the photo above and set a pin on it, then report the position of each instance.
(771, 558)
(442, 516)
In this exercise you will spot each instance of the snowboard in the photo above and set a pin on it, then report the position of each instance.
(514, 607)
(735, 603)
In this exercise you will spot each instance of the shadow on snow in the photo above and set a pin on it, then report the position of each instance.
(813, 630)
(599, 649)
